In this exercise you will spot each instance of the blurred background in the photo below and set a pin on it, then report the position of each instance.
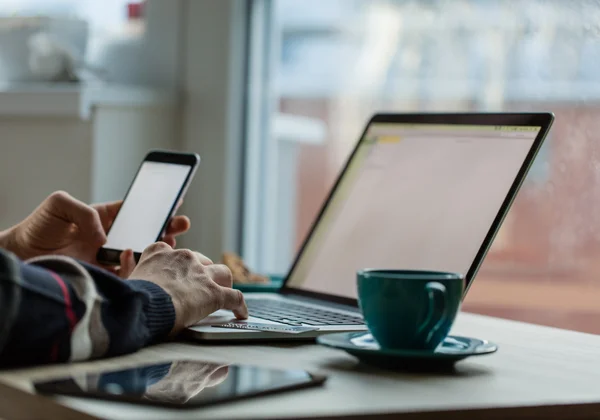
(274, 93)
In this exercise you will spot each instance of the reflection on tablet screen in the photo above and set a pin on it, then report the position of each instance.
(178, 383)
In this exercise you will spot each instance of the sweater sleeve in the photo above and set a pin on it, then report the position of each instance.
(55, 309)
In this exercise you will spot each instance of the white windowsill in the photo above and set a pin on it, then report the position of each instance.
(77, 100)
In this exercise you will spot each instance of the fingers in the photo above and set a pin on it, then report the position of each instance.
(127, 263)
(85, 217)
(126, 267)
(185, 255)
(204, 260)
(233, 300)
(178, 225)
(170, 240)
(108, 212)
(154, 248)
(220, 274)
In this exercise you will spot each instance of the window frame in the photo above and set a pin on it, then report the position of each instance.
(257, 231)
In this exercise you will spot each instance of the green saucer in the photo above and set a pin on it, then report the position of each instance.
(274, 285)
(367, 350)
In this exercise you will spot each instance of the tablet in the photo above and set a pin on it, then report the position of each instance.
(181, 383)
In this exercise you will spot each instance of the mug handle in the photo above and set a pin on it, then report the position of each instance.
(437, 311)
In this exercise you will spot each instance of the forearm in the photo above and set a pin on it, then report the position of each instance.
(58, 310)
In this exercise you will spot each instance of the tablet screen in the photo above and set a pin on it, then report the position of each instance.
(183, 383)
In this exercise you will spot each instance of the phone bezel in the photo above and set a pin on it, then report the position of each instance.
(111, 256)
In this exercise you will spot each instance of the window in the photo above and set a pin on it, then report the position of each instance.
(94, 31)
(320, 68)
(103, 16)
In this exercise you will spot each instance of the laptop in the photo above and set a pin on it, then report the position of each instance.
(419, 191)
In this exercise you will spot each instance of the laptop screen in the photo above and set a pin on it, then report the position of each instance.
(414, 196)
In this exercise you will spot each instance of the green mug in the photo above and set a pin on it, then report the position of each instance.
(409, 309)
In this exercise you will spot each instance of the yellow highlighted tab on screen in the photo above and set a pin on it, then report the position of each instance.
(388, 139)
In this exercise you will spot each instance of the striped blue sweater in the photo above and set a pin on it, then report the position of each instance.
(55, 309)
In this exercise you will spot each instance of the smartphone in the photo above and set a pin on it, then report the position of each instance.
(181, 383)
(151, 200)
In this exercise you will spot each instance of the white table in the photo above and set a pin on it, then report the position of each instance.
(538, 372)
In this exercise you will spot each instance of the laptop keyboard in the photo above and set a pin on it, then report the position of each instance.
(297, 314)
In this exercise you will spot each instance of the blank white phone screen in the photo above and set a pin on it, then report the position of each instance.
(147, 206)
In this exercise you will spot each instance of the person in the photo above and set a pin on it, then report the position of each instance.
(57, 304)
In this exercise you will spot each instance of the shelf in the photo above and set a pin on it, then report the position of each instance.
(74, 100)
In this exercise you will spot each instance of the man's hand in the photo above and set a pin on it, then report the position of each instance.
(62, 225)
(196, 285)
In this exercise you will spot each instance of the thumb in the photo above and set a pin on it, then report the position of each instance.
(127, 264)
(85, 217)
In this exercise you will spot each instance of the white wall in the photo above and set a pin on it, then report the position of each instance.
(94, 160)
(123, 137)
(162, 43)
(200, 51)
(40, 155)
(48, 143)
(213, 75)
